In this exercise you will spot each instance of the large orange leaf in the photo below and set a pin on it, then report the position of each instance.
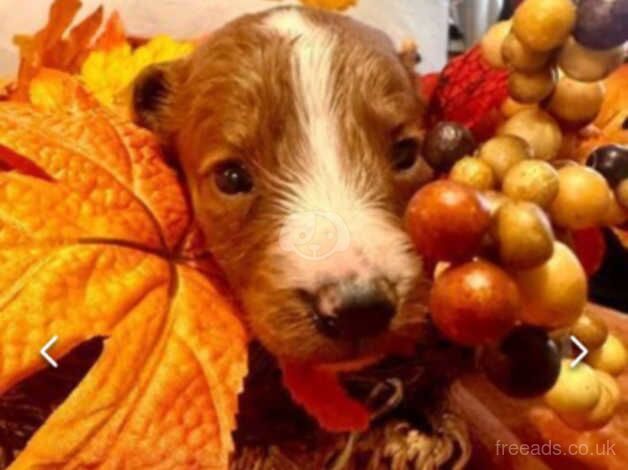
(92, 230)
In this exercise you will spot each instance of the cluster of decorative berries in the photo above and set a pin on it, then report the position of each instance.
(498, 229)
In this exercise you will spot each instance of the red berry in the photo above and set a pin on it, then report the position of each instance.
(447, 221)
(476, 303)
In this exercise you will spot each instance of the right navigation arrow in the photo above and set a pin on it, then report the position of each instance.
(583, 351)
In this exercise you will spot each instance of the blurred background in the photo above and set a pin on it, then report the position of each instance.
(441, 27)
(425, 21)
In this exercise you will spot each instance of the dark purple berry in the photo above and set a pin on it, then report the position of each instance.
(447, 143)
(525, 364)
(602, 24)
(611, 161)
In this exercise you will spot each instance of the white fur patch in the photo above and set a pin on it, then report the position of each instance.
(334, 228)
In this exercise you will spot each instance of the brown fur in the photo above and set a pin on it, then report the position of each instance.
(234, 99)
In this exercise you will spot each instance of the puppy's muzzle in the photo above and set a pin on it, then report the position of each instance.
(351, 310)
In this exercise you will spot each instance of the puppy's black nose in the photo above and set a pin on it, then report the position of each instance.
(354, 310)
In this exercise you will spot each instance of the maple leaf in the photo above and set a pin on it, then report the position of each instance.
(92, 225)
(49, 48)
(113, 35)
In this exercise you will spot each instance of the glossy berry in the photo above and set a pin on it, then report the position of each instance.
(602, 24)
(447, 221)
(611, 161)
(525, 364)
(475, 303)
(447, 143)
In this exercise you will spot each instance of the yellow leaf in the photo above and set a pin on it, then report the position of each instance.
(330, 4)
(108, 74)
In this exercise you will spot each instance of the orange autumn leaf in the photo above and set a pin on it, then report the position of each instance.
(49, 48)
(91, 228)
(615, 105)
(113, 34)
(608, 127)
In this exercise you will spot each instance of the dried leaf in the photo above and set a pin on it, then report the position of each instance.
(91, 251)
(113, 34)
(48, 48)
(71, 53)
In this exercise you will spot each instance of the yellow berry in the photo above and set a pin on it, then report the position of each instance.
(591, 330)
(473, 172)
(503, 152)
(532, 180)
(576, 102)
(531, 87)
(588, 65)
(520, 57)
(604, 409)
(555, 293)
(523, 234)
(621, 194)
(577, 389)
(492, 43)
(611, 357)
(583, 198)
(538, 129)
(616, 213)
(544, 24)
(510, 107)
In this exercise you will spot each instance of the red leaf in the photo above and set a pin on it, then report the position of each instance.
(319, 392)
(12, 161)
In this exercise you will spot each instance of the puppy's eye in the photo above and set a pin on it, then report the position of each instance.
(232, 178)
(405, 153)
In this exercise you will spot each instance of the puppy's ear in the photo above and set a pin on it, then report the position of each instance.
(153, 95)
(409, 55)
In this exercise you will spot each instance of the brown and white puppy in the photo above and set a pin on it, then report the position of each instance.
(298, 133)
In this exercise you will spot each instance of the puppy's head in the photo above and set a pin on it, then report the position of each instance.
(298, 134)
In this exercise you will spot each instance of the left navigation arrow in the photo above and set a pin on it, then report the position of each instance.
(44, 352)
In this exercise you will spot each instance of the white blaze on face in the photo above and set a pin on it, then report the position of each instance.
(334, 228)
